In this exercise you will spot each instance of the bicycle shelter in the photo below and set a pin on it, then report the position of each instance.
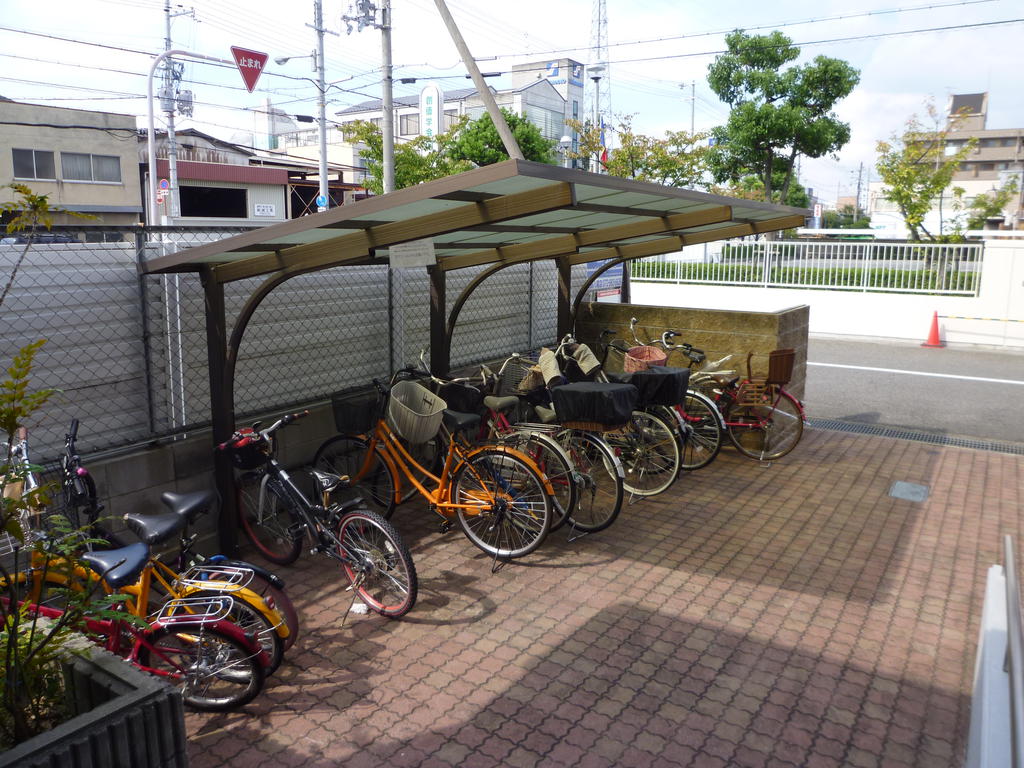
(508, 213)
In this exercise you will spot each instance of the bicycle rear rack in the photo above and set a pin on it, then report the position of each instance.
(224, 578)
(195, 610)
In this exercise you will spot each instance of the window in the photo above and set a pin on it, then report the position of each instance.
(378, 121)
(986, 166)
(450, 116)
(81, 167)
(575, 109)
(214, 202)
(34, 164)
(409, 125)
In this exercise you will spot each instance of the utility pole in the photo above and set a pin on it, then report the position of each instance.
(366, 15)
(856, 207)
(168, 97)
(324, 199)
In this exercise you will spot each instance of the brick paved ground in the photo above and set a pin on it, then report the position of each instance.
(792, 615)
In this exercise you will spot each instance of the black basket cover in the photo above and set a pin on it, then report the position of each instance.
(604, 403)
(461, 397)
(657, 385)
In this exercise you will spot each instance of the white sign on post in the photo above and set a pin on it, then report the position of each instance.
(417, 253)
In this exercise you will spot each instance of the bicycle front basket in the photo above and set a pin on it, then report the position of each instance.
(609, 404)
(355, 412)
(659, 385)
(414, 412)
(643, 357)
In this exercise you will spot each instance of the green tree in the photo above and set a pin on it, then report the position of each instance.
(678, 160)
(916, 169)
(479, 143)
(416, 161)
(845, 218)
(777, 114)
(752, 188)
(989, 205)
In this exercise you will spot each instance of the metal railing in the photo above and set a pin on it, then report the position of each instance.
(1014, 657)
(946, 269)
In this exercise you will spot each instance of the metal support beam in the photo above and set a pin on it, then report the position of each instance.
(590, 281)
(460, 302)
(564, 313)
(222, 410)
(440, 350)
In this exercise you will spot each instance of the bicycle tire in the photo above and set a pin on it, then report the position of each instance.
(268, 521)
(767, 431)
(377, 562)
(649, 454)
(703, 444)
(599, 480)
(196, 657)
(370, 478)
(556, 466)
(278, 599)
(514, 510)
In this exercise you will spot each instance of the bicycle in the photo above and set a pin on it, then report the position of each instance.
(762, 420)
(497, 495)
(191, 645)
(276, 517)
(701, 426)
(594, 496)
(262, 606)
(646, 443)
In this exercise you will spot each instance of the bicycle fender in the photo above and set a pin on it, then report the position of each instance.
(247, 596)
(275, 581)
(228, 628)
(548, 487)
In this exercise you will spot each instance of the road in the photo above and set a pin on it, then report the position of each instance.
(956, 391)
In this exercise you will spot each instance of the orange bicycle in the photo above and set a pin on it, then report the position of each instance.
(500, 499)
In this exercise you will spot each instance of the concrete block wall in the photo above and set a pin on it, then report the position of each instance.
(717, 332)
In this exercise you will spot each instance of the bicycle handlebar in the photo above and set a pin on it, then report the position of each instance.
(240, 439)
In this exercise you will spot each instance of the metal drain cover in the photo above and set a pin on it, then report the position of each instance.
(908, 491)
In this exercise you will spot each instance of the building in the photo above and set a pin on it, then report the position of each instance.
(547, 93)
(998, 158)
(83, 161)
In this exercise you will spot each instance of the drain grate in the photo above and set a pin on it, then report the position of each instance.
(921, 437)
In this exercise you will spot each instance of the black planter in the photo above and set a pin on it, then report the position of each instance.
(125, 718)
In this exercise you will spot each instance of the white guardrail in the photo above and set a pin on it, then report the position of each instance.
(948, 269)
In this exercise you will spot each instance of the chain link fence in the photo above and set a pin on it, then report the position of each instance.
(128, 354)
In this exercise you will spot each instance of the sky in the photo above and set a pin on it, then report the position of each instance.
(96, 54)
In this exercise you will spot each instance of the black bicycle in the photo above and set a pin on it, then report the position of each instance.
(276, 516)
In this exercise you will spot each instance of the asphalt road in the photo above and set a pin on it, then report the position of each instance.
(956, 391)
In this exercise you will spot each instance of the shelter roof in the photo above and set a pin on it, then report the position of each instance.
(515, 211)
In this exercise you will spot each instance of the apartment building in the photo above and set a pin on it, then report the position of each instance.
(84, 161)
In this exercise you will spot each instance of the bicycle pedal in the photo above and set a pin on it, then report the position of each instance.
(445, 526)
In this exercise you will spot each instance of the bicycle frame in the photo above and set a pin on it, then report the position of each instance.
(402, 463)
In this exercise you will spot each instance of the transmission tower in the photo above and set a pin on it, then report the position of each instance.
(599, 84)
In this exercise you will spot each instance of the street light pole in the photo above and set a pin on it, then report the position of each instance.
(595, 75)
(387, 102)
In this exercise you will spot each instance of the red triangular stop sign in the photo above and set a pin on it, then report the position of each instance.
(250, 64)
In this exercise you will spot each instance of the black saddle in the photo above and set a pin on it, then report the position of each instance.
(457, 421)
(119, 567)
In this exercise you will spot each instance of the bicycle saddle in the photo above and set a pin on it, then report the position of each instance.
(119, 567)
(500, 404)
(188, 505)
(457, 421)
(153, 529)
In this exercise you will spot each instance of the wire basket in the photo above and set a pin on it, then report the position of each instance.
(414, 412)
(643, 357)
(516, 374)
(355, 412)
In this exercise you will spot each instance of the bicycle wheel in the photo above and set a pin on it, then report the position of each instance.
(649, 454)
(705, 439)
(511, 512)
(766, 431)
(369, 475)
(251, 620)
(377, 562)
(268, 521)
(599, 479)
(554, 464)
(214, 670)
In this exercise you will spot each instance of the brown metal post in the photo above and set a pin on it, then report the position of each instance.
(564, 314)
(440, 348)
(222, 410)
(625, 294)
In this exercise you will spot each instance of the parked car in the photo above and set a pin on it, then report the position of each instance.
(38, 238)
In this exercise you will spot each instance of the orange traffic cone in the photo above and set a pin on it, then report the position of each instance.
(933, 334)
